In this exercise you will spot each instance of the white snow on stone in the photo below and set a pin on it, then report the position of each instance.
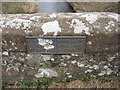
(74, 55)
(1, 30)
(95, 67)
(115, 16)
(109, 71)
(18, 23)
(67, 73)
(70, 76)
(13, 44)
(111, 58)
(88, 71)
(52, 59)
(110, 24)
(79, 26)
(91, 18)
(46, 43)
(28, 55)
(4, 63)
(16, 48)
(47, 47)
(5, 53)
(52, 26)
(35, 18)
(46, 57)
(105, 67)
(63, 64)
(66, 56)
(90, 43)
(46, 73)
(80, 64)
(53, 15)
(42, 42)
(91, 67)
(73, 62)
(102, 73)
(2, 24)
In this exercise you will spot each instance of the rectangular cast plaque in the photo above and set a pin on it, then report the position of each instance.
(56, 44)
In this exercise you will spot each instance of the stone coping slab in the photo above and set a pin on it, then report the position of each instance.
(101, 29)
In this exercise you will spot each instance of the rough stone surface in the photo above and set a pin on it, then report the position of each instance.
(95, 6)
(99, 60)
(101, 29)
(13, 67)
(13, 40)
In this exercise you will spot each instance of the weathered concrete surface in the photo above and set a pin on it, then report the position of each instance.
(95, 6)
(100, 57)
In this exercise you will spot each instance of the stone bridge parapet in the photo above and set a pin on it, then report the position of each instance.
(101, 47)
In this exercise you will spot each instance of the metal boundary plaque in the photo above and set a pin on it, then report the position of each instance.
(56, 44)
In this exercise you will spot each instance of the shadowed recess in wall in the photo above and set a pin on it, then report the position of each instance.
(56, 45)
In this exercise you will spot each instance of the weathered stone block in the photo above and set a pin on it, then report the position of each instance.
(13, 40)
(101, 29)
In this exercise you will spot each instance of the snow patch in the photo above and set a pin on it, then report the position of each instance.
(46, 57)
(2, 24)
(53, 15)
(52, 26)
(73, 62)
(46, 73)
(80, 64)
(90, 43)
(47, 47)
(91, 18)
(18, 23)
(110, 24)
(102, 73)
(115, 16)
(95, 67)
(46, 43)
(106, 67)
(52, 59)
(66, 57)
(111, 58)
(35, 18)
(75, 55)
(88, 71)
(79, 26)
(5, 53)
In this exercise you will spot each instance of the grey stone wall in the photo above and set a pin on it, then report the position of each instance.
(100, 58)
